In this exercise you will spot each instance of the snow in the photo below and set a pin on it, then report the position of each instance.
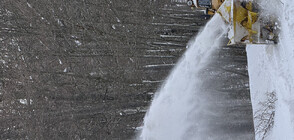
(29, 5)
(93, 73)
(174, 24)
(133, 85)
(176, 106)
(60, 62)
(271, 76)
(271, 69)
(78, 42)
(159, 56)
(148, 81)
(25, 101)
(167, 50)
(158, 65)
(113, 27)
(172, 36)
(132, 60)
(117, 19)
(59, 22)
(167, 43)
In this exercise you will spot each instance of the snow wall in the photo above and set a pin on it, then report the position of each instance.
(271, 76)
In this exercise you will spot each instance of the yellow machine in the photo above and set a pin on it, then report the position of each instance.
(242, 16)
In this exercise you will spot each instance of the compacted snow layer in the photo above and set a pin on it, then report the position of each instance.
(271, 74)
(172, 112)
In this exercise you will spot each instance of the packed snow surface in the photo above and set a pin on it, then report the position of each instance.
(176, 105)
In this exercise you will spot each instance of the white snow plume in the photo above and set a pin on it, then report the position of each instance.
(175, 108)
(269, 8)
(271, 70)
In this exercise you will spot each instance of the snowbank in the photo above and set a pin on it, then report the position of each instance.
(271, 74)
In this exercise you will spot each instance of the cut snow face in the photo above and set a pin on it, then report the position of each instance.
(177, 106)
(271, 70)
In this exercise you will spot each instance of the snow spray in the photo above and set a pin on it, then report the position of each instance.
(173, 112)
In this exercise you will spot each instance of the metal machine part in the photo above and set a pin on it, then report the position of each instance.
(245, 25)
(190, 3)
(204, 3)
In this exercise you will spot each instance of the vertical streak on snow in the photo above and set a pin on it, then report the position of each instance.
(170, 115)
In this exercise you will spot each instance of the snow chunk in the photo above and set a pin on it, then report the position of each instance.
(25, 101)
(149, 81)
(117, 19)
(130, 111)
(29, 5)
(93, 73)
(113, 27)
(158, 65)
(138, 128)
(78, 42)
(60, 62)
(59, 22)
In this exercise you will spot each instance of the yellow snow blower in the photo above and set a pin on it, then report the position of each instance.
(242, 16)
